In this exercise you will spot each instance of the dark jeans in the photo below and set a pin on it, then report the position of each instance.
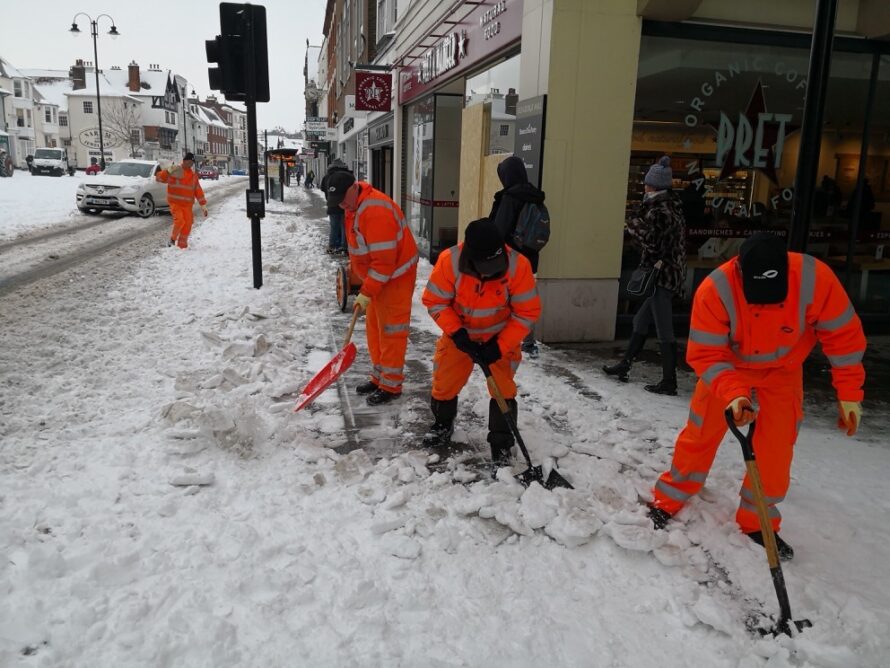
(658, 307)
(337, 236)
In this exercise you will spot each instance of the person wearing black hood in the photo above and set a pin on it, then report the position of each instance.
(508, 203)
(337, 236)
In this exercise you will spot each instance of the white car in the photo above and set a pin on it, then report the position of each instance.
(126, 185)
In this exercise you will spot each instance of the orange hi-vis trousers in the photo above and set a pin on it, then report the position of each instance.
(779, 394)
(183, 217)
(387, 324)
(452, 369)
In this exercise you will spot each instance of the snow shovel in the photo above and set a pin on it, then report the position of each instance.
(769, 538)
(532, 473)
(332, 370)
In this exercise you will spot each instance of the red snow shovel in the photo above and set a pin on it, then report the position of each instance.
(769, 538)
(332, 370)
(532, 473)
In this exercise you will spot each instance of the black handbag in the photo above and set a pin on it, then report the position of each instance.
(643, 280)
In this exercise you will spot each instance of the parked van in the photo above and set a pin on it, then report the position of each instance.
(52, 161)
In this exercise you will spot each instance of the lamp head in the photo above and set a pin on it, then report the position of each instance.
(113, 32)
(75, 31)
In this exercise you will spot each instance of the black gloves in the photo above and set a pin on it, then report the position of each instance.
(489, 352)
(463, 343)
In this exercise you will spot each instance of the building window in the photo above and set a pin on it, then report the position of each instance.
(505, 130)
(17, 88)
(48, 115)
(135, 137)
(20, 118)
(63, 120)
(28, 115)
(66, 142)
(88, 106)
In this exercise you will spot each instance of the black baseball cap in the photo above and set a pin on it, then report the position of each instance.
(189, 156)
(763, 259)
(338, 182)
(484, 247)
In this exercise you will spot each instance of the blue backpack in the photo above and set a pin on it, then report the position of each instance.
(532, 231)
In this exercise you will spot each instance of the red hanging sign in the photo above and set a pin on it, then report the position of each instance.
(373, 91)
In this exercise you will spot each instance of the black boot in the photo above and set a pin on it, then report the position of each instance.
(668, 383)
(366, 388)
(500, 438)
(379, 397)
(439, 434)
(786, 552)
(634, 346)
(659, 517)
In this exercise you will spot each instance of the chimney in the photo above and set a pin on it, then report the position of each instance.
(78, 75)
(510, 101)
(133, 80)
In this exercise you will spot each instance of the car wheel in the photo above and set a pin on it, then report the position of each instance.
(146, 207)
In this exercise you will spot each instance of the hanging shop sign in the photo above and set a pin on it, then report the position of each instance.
(89, 137)
(381, 133)
(489, 28)
(373, 91)
(529, 137)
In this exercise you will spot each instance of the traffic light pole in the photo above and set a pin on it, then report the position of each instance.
(254, 189)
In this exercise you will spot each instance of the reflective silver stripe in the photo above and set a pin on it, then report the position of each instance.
(765, 357)
(772, 511)
(378, 202)
(721, 282)
(481, 312)
(395, 329)
(405, 267)
(523, 321)
(382, 245)
(391, 384)
(693, 476)
(525, 296)
(184, 198)
(455, 266)
(748, 495)
(838, 322)
(377, 276)
(439, 292)
(696, 419)
(672, 492)
(846, 360)
(437, 308)
(489, 330)
(514, 261)
(715, 370)
(807, 288)
(708, 339)
(392, 371)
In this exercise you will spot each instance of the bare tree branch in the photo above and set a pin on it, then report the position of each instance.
(123, 121)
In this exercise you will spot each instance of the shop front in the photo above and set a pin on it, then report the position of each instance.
(380, 140)
(434, 93)
(726, 105)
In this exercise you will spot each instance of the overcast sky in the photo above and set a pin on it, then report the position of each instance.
(170, 33)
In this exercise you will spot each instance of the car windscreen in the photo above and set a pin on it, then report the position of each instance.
(129, 169)
(48, 153)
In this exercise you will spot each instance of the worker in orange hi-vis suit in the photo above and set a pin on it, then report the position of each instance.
(483, 295)
(383, 254)
(755, 320)
(183, 188)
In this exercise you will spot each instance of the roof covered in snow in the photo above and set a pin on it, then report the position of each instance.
(106, 88)
(152, 82)
(55, 92)
(40, 74)
(10, 72)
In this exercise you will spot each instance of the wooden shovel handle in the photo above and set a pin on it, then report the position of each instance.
(355, 313)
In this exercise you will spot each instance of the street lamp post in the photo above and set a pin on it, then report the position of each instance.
(94, 29)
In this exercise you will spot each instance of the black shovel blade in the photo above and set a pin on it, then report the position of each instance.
(536, 474)
(784, 626)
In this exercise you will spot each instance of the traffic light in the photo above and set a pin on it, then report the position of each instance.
(240, 67)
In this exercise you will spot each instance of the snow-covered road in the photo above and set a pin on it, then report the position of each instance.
(161, 504)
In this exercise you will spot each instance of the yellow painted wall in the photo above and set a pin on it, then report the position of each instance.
(775, 13)
(594, 51)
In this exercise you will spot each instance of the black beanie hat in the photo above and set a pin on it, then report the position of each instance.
(764, 262)
(338, 182)
(189, 156)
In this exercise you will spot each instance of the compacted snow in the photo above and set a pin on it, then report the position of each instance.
(162, 505)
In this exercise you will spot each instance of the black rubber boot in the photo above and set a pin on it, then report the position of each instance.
(500, 438)
(366, 388)
(379, 397)
(439, 434)
(634, 346)
(668, 383)
(786, 552)
(659, 517)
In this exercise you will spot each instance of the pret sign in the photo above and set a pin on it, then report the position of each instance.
(373, 91)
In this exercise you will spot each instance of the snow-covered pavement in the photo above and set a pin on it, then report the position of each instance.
(161, 504)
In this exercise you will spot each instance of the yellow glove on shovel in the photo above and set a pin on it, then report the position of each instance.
(362, 301)
(850, 415)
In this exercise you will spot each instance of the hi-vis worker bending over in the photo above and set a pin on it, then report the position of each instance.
(183, 188)
(483, 295)
(755, 320)
(383, 254)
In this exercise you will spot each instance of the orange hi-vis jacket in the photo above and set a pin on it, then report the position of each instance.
(507, 306)
(183, 190)
(381, 246)
(728, 335)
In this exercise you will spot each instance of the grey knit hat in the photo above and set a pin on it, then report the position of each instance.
(660, 175)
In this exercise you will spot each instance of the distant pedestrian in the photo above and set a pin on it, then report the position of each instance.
(658, 229)
(310, 179)
(337, 233)
(298, 172)
(755, 320)
(183, 188)
(506, 210)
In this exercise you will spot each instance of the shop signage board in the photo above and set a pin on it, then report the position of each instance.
(529, 138)
(489, 28)
(381, 133)
(315, 124)
(373, 91)
(89, 137)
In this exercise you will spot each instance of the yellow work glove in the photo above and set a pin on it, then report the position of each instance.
(850, 415)
(175, 170)
(362, 300)
(204, 210)
(742, 411)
